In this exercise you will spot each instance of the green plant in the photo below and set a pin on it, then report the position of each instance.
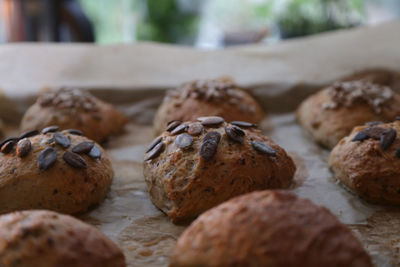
(166, 21)
(304, 17)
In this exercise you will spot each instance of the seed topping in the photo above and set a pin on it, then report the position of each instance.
(184, 140)
(95, 153)
(47, 158)
(263, 148)
(61, 140)
(74, 160)
(172, 125)
(154, 143)
(24, 146)
(211, 121)
(50, 129)
(195, 128)
(28, 134)
(155, 152)
(243, 124)
(83, 147)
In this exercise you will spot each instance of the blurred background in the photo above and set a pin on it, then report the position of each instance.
(200, 23)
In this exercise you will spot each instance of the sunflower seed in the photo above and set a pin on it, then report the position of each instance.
(211, 120)
(83, 147)
(15, 139)
(75, 131)
(387, 139)
(238, 130)
(155, 151)
(172, 125)
(50, 129)
(375, 132)
(28, 134)
(234, 135)
(184, 140)
(208, 149)
(195, 128)
(47, 158)
(180, 129)
(62, 140)
(263, 148)
(244, 124)
(360, 136)
(7, 147)
(74, 160)
(216, 136)
(154, 143)
(374, 123)
(95, 153)
(23, 147)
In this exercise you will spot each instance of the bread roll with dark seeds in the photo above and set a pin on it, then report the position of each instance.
(219, 97)
(331, 114)
(71, 108)
(196, 165)
(48, 239)
(41, 171)
(368, 162)
(270, 229)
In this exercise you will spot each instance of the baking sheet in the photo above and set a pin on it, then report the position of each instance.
(147, 236)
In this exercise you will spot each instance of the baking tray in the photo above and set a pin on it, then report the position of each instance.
(147, 236)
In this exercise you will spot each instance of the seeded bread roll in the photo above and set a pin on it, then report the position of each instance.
(368, 162)
(331, 114)
(48, 239)
(379, 76)
(60, 171)
(220, 97)
(194, 166)
(271, 229)
(74, 109)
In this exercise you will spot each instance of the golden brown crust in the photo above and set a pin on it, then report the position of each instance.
(366, 168)
(220, 97)
(60, 187)
(328, 125)
(183, 183)
(271, 229)
(48, 239)
(74, 109)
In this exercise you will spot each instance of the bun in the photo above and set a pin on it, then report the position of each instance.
(271, 229)
(197, 165)
(48, 239)
(220, 97)
(60, 171)
(74, 109)
(333, 112)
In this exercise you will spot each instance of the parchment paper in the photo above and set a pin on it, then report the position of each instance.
(135, 78)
